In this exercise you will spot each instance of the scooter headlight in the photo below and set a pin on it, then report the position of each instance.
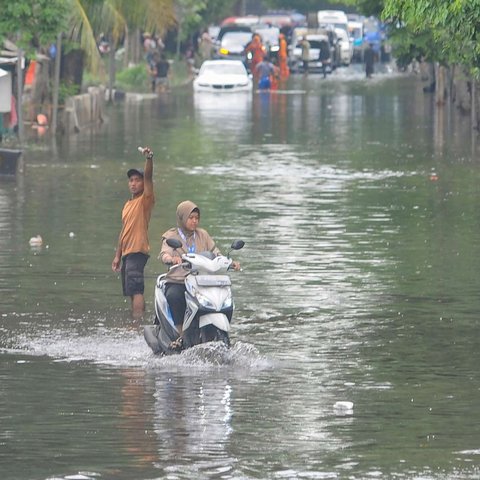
(227, 303)
(204, 301)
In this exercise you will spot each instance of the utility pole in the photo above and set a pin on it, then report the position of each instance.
(20, 94)
(56, 83)
(243, 8)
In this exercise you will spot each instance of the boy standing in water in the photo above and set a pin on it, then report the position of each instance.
(133, 247)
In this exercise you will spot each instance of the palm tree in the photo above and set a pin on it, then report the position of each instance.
(116, 18)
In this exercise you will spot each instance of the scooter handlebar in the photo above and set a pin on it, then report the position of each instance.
(178, 265)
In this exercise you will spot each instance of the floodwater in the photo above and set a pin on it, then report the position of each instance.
(358, 202)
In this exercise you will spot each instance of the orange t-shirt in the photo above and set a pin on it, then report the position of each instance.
(136, 215)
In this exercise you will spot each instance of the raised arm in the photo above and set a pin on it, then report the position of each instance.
(148, 172)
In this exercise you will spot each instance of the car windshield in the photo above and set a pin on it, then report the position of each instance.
(223, 69)
(231, 39)
(269, 35)
(356, 32)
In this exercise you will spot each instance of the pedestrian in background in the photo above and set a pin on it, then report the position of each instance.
(305, 46)
(254, 52)
(265, 71)
(369, 59)
(283, 57)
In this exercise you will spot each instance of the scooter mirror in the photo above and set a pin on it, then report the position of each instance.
(174, 243)
(237, 244)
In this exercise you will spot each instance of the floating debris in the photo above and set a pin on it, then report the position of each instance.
(36, 241)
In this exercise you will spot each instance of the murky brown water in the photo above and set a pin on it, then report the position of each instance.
(358, 204)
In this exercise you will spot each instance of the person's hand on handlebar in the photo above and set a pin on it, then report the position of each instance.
(176, 260)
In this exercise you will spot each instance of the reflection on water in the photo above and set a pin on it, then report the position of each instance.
(224, 117)
(359, 285)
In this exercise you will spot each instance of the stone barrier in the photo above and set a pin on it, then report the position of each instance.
(82, 111)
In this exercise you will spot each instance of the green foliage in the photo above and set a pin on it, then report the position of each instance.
(366, 7)
(369, 7)
(216, 10)
(302, 6)
(31, 24)
(189, 16)
(66, 90)
(133, 79)
(453, 28)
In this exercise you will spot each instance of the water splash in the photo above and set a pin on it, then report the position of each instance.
(126, 347)
(215, 355)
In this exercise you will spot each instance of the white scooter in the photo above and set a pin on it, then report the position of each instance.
(209, 303)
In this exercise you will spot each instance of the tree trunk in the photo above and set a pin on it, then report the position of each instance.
(20, 95)
(111, 71)
(440, 83)
(179, 35)
(473, 115)
(56, 85)
(126, 46)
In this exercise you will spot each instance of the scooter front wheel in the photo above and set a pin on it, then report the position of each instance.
(221, 336)
(213, 334)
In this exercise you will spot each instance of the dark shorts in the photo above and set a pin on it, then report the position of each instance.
(133, 266)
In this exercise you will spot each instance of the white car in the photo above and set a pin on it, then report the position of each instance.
(223, 76)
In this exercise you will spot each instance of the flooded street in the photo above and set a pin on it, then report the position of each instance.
(358, 202)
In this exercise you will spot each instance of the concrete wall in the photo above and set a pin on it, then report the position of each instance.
(82, 111)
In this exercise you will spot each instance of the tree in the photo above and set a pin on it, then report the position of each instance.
(453, 26)
(366, 7)
(32, 25)
(216, 10)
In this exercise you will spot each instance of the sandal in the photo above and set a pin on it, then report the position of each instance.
(177, 344)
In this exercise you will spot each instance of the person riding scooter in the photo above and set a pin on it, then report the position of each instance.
(194, 240)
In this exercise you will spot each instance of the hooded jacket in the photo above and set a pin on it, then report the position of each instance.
(197, 241)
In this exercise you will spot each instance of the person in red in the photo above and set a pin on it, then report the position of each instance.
(283, 57)
(133, 246)
(255, 51)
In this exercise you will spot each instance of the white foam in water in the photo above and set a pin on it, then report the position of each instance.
(343, 408)
(119, 347)
(108, 346)
(215, 355)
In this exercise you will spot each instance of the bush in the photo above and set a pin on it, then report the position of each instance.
(133, 79)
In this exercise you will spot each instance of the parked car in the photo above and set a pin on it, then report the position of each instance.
(223, 76)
